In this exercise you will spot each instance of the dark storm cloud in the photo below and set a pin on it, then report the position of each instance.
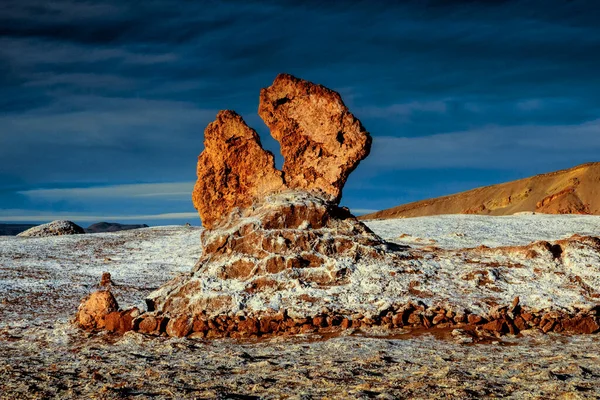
(119, 91)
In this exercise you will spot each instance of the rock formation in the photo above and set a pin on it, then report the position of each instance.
(263, 222)
(321, 141)
(54, 228)
(281, 257)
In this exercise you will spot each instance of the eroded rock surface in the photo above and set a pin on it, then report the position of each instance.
(233, 170)
(321, 141)
(287, 237)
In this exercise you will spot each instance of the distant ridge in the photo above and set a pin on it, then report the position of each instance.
(569, 191)
(101, 227)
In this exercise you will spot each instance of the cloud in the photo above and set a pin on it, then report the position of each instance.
(509, 147)
(108, 93)
(104, 140)
(404, 109)
(114, 192)
(26, 216)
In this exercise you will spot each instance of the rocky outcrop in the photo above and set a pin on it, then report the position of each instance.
(321, 141)
(289, 236)
(54, 228)
(233, 170)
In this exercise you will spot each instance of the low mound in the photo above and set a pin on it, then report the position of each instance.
(54, 228)
(570, 191)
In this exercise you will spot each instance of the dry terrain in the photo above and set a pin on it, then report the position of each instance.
(43, 356)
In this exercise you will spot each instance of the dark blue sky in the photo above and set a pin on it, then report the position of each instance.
(103, 104)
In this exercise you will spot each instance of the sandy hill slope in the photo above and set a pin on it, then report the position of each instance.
(570, 191)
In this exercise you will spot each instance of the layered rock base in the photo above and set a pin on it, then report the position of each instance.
(504, 320)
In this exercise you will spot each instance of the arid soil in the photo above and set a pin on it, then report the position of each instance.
(58, 361)
(570, 191)
(42, 355)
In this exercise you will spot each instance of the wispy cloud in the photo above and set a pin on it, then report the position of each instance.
(29, 217)
(172, 190)
(509, 147)
(404, 109)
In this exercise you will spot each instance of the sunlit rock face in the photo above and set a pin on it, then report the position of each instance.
(321, 141)
(233, 170)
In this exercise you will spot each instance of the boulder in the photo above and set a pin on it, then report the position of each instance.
(321, 141)
(95, 308)
(54, 228)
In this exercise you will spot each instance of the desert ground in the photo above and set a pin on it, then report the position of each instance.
(42, 355)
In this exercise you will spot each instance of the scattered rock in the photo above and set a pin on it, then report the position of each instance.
(106, 279)
(579, 324)
(54, 228)
(121, 321)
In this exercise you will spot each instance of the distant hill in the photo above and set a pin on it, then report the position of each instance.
(14, 229)
(101, 227)
(570, 191)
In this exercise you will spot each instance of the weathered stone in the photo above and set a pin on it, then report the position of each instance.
(321, 141)
(94, 309)
(581, 325)
(248, 327)
(179, 327)
(474, 319)
(121, 321)
(494, 326)
(233, 170)
(520, 323)
(106, 279)
(149, 324)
